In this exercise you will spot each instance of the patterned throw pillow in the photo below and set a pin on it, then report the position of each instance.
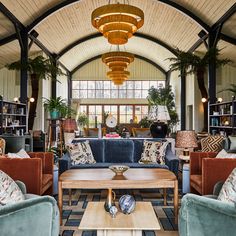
(9, 190)
(228, 191)
(212, 143)
(224, 154)
(153, 152)
(21, 154)
(81, 153)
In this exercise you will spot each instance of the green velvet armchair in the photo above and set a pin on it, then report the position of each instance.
(206, 216)
(36, 215)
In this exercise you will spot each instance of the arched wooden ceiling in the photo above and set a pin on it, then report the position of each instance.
(60, 23)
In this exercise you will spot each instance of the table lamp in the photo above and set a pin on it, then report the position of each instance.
(186, 139)
(159, 115)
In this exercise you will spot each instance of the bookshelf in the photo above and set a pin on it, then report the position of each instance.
(222, 118)
(12, 117)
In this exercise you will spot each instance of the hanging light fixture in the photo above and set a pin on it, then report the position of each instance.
(117, 22)
(118, 62)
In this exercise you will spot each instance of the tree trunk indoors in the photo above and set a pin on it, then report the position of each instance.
(204, 94)
(33, 105)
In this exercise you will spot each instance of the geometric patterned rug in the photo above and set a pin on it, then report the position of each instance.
(72, 214)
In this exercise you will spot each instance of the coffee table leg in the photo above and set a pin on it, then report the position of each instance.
(69, 196)
(60, 200)
(176, 201)
(164, 194)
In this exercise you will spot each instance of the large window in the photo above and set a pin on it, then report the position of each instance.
(106, 89)
(123, 113)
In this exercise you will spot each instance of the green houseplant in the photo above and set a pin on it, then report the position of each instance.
(54, 106)
(188, 63)
(164, 97)
(38, 68)
(82, 120)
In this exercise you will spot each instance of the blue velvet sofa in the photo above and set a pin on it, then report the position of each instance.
(107, 152)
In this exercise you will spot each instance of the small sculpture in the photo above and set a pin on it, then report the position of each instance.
(127, 204)
(113, 211)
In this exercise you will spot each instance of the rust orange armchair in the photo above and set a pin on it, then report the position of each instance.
(206, 171)
(36, 172)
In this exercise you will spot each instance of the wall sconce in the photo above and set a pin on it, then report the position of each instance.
(204, 100)
(219, 100)
(16, 99)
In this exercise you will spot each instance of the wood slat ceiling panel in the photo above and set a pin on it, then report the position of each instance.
(11, 52)
(98, 46)
(161, 22)
(27, 10)
(229, 27)
(6, 27)
(208, 10)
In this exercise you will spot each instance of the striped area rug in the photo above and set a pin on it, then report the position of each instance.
(72, 214)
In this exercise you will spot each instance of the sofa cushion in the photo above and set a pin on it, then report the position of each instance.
(212, 143)
(224, 154)
(97, 147)
(196, 182)
(232, 143)
(228, 191)
(138, 149)
(81, 153)
(9, 190)
(153, 152)
(131, 165)
(118, 151)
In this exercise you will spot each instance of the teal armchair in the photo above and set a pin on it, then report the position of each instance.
(37, 216)
(206, 216)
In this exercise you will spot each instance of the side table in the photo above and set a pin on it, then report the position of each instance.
(55, 180)
(185, 173)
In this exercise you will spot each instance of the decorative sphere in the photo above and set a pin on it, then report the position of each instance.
(127, 204)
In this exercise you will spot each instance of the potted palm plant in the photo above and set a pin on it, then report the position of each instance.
(82, 121)
(187, 63)
(54, 106)
(38, 68)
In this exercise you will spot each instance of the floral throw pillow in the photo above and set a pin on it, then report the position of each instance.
(228, 191)
(81, 153)
(153, 152)
(9, 190)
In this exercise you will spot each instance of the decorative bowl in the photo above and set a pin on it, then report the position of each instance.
(118, 169)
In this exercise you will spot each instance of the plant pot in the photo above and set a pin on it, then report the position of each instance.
(55, 114)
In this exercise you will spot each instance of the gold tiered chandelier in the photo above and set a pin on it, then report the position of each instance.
(117, 22)
(117, 62)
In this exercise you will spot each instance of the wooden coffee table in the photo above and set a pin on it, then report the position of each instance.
(96, 218)
(134, 178)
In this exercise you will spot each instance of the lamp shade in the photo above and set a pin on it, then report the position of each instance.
(186, 139)
(70, 125)
(158, 112)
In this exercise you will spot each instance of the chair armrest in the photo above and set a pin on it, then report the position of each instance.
(172, 161)
(215, 170)
(196, 161)
(37, 216)
(27, 170)
(47, 160)
(64, 163)
(205, 216)
(217, 187)
(22, 186)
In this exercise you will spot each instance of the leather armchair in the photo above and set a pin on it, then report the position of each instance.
(36, 215)
(36, 172)
(206, 171)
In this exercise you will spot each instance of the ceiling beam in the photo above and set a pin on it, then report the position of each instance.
(8, 39)
(137, 56)
(47, 52)
(11, 17)
(225, 17)
(96, 35)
